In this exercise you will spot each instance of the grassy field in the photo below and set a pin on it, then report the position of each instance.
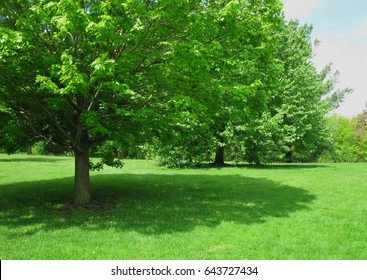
(143, 211)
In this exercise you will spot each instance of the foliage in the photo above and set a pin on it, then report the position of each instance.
(14, 136)
(349, 139)
(232, 87)
(257, 118)
(94, 71)
(187, 77)
(44, 148)
(360, 124)
(293, 126)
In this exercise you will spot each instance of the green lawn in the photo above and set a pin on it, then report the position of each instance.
(143, 211)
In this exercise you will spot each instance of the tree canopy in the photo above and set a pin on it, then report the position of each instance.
(81, 72)
(294, 124)
(193, 76)
(272, 108)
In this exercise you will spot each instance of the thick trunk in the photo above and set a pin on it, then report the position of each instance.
(82, 185)
(219, 157)
(29, 150)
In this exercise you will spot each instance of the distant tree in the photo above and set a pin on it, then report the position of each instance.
(344, 141)
(242, 74)
(360, 123)
(294, 123)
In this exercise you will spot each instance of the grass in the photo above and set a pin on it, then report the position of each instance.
(142, 211)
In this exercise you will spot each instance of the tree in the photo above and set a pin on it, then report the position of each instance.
(343, 135)
(294, 123)
(79, 73)
(348, 139)
(237, 73)
(360, 123)
(244, 90)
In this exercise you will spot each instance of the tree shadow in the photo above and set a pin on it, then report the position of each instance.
(32, 159)
(290, 166)
(285, 166)
(149, 204)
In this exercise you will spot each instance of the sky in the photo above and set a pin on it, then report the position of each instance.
(341, 27)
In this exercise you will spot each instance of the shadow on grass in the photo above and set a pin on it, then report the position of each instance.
(148, 204)
(285, 166)
(32, 159)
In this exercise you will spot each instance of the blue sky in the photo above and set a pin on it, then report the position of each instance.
(341, 26)
(341, 19)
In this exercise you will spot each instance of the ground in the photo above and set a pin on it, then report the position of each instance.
(143, 211)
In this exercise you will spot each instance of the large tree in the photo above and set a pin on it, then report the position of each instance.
(294, 123)
(81, 72)
(237, 73)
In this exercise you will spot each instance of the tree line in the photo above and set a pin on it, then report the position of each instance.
(189, 80)
(348, 139)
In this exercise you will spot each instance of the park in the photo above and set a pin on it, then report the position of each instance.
(173, 130)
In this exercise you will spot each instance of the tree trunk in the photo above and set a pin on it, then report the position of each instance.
(29, 150)
(120, 154)
(289, 157)
(82, 185)
(219, 157)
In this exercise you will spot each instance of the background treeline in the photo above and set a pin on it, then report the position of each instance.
(348, 139)
(347, 142)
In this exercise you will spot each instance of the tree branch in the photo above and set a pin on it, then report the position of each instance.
(38, 133)
(55, 121)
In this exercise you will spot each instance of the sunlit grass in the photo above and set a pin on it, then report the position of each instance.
(143, 211)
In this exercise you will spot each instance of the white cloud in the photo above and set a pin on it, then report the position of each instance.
(351, 60)
(298, 9)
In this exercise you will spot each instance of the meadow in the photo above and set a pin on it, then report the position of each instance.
(144, 211)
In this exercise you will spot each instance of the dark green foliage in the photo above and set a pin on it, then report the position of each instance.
(109, 154)
(44, 148)
(14, 135)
